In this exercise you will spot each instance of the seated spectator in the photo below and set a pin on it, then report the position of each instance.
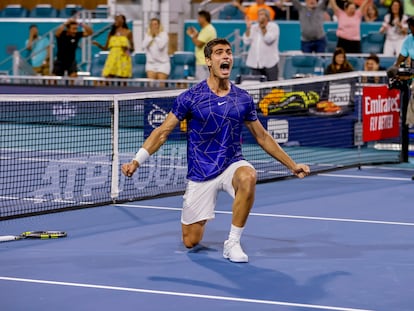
(251, 12)
(371, 13)
(38, 48)
(372, 63)
(233, 11)
(339, 63)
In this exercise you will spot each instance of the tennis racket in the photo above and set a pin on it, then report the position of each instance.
(41, 235)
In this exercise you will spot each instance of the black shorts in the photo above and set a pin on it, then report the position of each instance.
(59, 68)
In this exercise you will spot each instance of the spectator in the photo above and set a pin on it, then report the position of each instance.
(156, 50)
(372, 63)
(407, 48)
(371, 13)
(232, 11)
(263, 39)
(311, 18)
(339, 63)
(200, 39)
(349, 24)
(408, 6)
(67, 38)
(118, 64)
(252, 12)
(395, 28)
(38, 48)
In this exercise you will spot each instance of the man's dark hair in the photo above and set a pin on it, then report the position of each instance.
(208, 49)
(32, 26)
(205, 14)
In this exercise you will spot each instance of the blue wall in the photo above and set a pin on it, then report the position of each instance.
(289, 32)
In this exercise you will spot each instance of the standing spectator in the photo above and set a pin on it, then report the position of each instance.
(68, 37)
(407, 48)
(311, 18)
(118, 64)
(156, 50)
(395, 28)
(263, 39)
(217, 111)
(38, 48)
(252, 12)
(371, 13)
(339, 63)
(408, 6)
(349, 24)
(232, 11)
(200, 39)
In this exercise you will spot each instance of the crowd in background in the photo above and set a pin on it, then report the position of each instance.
(261, 36)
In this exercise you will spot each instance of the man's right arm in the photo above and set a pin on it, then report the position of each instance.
(156, 139)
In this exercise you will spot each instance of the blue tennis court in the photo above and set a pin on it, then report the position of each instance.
(334, 241)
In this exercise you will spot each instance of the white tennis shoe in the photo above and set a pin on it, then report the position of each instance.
(232, 250)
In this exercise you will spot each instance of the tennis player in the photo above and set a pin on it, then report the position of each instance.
(215, 110)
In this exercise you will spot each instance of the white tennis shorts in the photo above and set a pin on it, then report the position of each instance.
(200, 197)
(158, 67)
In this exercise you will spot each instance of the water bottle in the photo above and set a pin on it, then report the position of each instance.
(186, 72)
(318, 71)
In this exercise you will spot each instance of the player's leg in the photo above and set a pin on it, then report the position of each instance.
(193, 233)
(198, 207)
(240, 182)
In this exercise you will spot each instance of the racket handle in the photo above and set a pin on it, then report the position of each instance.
(5, 238)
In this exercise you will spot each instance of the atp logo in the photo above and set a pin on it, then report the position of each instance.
(156, 116)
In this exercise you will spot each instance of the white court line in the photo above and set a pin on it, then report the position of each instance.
(283, 216)
(364, 177)
(181, 294)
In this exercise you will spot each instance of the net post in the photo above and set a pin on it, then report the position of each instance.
(115, 149)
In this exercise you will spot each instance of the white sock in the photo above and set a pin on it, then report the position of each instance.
(235, 233)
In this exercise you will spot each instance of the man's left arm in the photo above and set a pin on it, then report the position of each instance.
(270, 145)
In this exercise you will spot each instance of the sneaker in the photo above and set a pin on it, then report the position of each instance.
(233, 251)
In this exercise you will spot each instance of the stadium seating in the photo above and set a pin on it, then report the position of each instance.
(387, 61)
(372, 42)
(178, 61)
(239, 68)
(98, 62)
(101, 11)
(69, 10)
(138, 66)
(43, 11)
(356, 62)
(301, 65)
(14, 10)
(331, 40)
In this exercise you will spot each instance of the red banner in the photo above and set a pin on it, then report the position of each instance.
(380, 113)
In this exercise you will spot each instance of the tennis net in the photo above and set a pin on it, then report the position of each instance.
(65, 151)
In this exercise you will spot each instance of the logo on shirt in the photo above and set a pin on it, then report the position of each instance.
(221, 103)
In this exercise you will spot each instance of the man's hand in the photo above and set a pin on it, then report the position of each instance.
(301, 170)
(128, 169)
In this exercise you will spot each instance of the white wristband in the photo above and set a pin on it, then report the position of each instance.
(141, 156)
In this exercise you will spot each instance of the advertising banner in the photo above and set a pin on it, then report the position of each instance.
(380, 113)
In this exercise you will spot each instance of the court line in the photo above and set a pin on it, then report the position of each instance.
(181, 294)
(368, 221)
(364, 177)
